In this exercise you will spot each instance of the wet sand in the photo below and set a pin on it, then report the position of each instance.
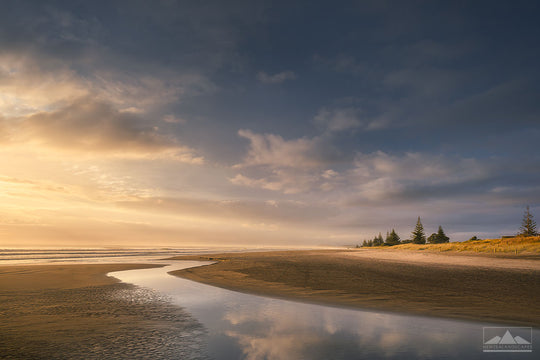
(77, 312)
(474, 287)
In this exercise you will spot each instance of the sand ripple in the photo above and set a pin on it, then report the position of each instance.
(117, 321)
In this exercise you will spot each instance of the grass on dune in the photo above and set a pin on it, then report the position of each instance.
(515, 245)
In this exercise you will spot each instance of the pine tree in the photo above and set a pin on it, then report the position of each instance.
(395, 236)
(439, 237)
(419, 237)
(367, 243)
(528, 225)
(378, 240)
(392, 238)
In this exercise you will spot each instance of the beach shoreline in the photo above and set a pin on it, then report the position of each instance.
(490, 289)
(78, 311)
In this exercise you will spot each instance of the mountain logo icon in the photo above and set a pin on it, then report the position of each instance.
(507, 339)
(516, 339)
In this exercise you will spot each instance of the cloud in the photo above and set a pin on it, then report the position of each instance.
(242, 180)
(92, 126)
(29, 186)
(274, 151)
(405, 181)
(338, 119)
(293, 167)
(150, 88)
(309, 165)
(416, 166)
(82, 103)
(288, 181)
(46, 102)
(31, 81)
(172, 119)
(28, 86)
(104, 185)
(288, 166)
(379, 175)
(276, 78)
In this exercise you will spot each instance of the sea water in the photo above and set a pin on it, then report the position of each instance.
(94, 255)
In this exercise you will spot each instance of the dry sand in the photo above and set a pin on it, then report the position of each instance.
(77, 312)
(483, 288)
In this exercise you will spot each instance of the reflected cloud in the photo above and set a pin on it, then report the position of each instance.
(302, 331)
(274, 347)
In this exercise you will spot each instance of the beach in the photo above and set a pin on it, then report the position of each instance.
(490, 289)
(78, 312)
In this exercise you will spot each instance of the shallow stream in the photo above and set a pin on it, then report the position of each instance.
(243, 326)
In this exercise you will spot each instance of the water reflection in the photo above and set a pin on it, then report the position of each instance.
(241, 326)
(276, 329)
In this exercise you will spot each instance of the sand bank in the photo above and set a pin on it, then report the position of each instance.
(41, 277)
(77, 312)
(488, 289)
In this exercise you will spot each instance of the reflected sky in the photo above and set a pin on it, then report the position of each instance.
(242, 326)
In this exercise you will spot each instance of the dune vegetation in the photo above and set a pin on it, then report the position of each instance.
(526, 242)
(506, 245)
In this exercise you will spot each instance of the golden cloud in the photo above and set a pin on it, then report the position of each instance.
(91, 126)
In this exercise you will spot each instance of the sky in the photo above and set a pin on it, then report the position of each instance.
(258, 123)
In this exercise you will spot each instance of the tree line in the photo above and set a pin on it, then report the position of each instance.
(528, 228)
(418, 237)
